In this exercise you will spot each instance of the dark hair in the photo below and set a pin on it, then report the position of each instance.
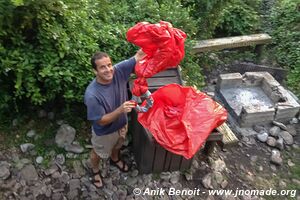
(96, 56)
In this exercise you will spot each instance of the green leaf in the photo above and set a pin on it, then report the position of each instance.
(17, 2)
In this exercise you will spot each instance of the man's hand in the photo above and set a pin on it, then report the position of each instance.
(139, 55)
(127, 106)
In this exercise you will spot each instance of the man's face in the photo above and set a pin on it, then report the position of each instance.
(105, 70)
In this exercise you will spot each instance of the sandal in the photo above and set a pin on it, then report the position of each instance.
(95, 181)
(114, 163)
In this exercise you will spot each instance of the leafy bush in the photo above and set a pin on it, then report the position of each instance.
(238, 18)
(286, 33)
(46, 46)
(45, 49)
(207, 15)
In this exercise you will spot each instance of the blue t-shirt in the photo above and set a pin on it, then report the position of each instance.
(103, 99)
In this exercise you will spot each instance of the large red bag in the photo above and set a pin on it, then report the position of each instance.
(164, 48)
(182, 118)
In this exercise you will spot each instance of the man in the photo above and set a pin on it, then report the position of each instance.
(107, 108)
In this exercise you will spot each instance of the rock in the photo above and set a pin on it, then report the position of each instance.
(218, 177)
(218, 165)
(131, 181)
(224, 184)
(86, 163)
(210, 198)
(260, 168)
(274, 131)
(262, 136)
(147, 178)
(4, 172)
(279, 144)
(74, 148)
(30, 133)
(57, 196)
(78, 168)
(249, 177)
(28, 173)
(229, 197)
(296, 181)
(33, 152)
(48, 192)
(242, 168)
(74, 184)
(108, 193)
(276, 157)
(166, 184)
(291, 129)
(88, 146)
(279, 124)
(287, 137)
(248, 141)
(60, 159)
(290, 163)
(294, 121)
(121, 194)
(195, 164)
(248, 197)
(109, 183)
(60, 122)
(273, 168)
(282, 184)
(134, 173)
(175, 177)
(165, 176)
(65, 135)
(19, 164)
(259, 128)
(188, 176)
(64, 177)
(55, 175)
(73, 195)
(26, 147)
(253, 159)
(39, 159)
(51, 170)
(206, 181)
(271, 141)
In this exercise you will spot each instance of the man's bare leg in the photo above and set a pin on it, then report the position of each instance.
(116, 150)
(95, 160)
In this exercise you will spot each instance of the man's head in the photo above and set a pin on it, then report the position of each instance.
(103, 67)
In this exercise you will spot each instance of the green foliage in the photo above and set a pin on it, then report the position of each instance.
(45, 49)
(191, 70)
(286, 34)
(238, 18)
(46, 46)
(206, 14)
(218, 18)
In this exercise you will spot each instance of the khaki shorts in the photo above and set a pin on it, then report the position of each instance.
(104, 144)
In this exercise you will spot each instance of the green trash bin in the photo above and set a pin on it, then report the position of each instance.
(148, 154)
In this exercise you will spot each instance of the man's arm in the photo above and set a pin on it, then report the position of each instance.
(110, 117)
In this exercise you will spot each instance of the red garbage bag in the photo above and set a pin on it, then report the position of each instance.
(182, 118)
(164, 48)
